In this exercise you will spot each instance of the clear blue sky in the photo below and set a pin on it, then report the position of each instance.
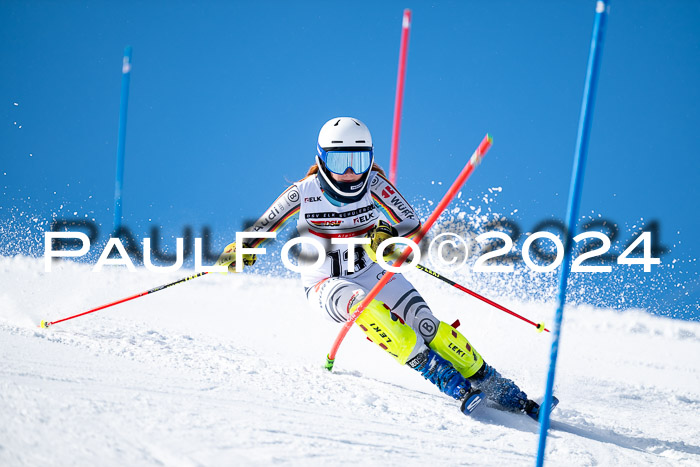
(227, 99)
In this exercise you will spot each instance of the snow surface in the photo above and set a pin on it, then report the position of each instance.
(227, 370)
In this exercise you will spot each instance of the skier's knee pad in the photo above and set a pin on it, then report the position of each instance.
(454, 347)
(391, 335)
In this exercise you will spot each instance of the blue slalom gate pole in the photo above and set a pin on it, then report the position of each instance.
(584, 128)
(123, 103)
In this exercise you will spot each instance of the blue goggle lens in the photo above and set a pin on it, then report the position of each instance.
(339, 162)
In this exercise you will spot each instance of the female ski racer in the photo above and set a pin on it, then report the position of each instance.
(345, 196)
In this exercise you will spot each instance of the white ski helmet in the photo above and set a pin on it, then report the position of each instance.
(344, 143)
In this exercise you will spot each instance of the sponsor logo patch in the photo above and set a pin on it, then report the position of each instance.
(364, 218)
(427, 327)
(293, 195)
(342, 215)
(327, 223)
(417, 360)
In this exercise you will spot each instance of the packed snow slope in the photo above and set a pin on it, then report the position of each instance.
(227, 370)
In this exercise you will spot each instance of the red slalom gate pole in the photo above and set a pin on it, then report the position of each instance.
(46, 324)
(474, 160)
(398, 103)
(540, 326)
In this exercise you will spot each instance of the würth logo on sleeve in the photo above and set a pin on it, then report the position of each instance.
(387, 191)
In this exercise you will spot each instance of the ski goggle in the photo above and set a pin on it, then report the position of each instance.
(358, 160)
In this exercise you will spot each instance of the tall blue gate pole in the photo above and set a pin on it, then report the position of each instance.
(123, 103)
(584, 128)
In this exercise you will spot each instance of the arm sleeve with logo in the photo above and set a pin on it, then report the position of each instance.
(394, 207)
(285, 208)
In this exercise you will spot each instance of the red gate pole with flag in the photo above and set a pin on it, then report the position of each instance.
(474, 160)
(398, 103)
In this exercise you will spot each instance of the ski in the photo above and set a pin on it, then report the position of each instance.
(471, 401)
(534, 413)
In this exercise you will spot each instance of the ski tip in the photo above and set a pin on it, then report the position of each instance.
(44, 324)
(329, 363)
(471, 402)
(541, 327)
(536, 414)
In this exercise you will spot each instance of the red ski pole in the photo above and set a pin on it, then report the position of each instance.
(540, 326)
(451, 193)
(398, 103)
(46, 324)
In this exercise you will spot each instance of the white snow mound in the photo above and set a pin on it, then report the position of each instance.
(227, 370)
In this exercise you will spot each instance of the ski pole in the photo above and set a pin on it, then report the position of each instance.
(474, 161)
(398, 103)
(540, 326)
(46, 324)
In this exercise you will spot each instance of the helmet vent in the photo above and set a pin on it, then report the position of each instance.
(360, 141)
(357, 123)
(336, 123)
(340, 142)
